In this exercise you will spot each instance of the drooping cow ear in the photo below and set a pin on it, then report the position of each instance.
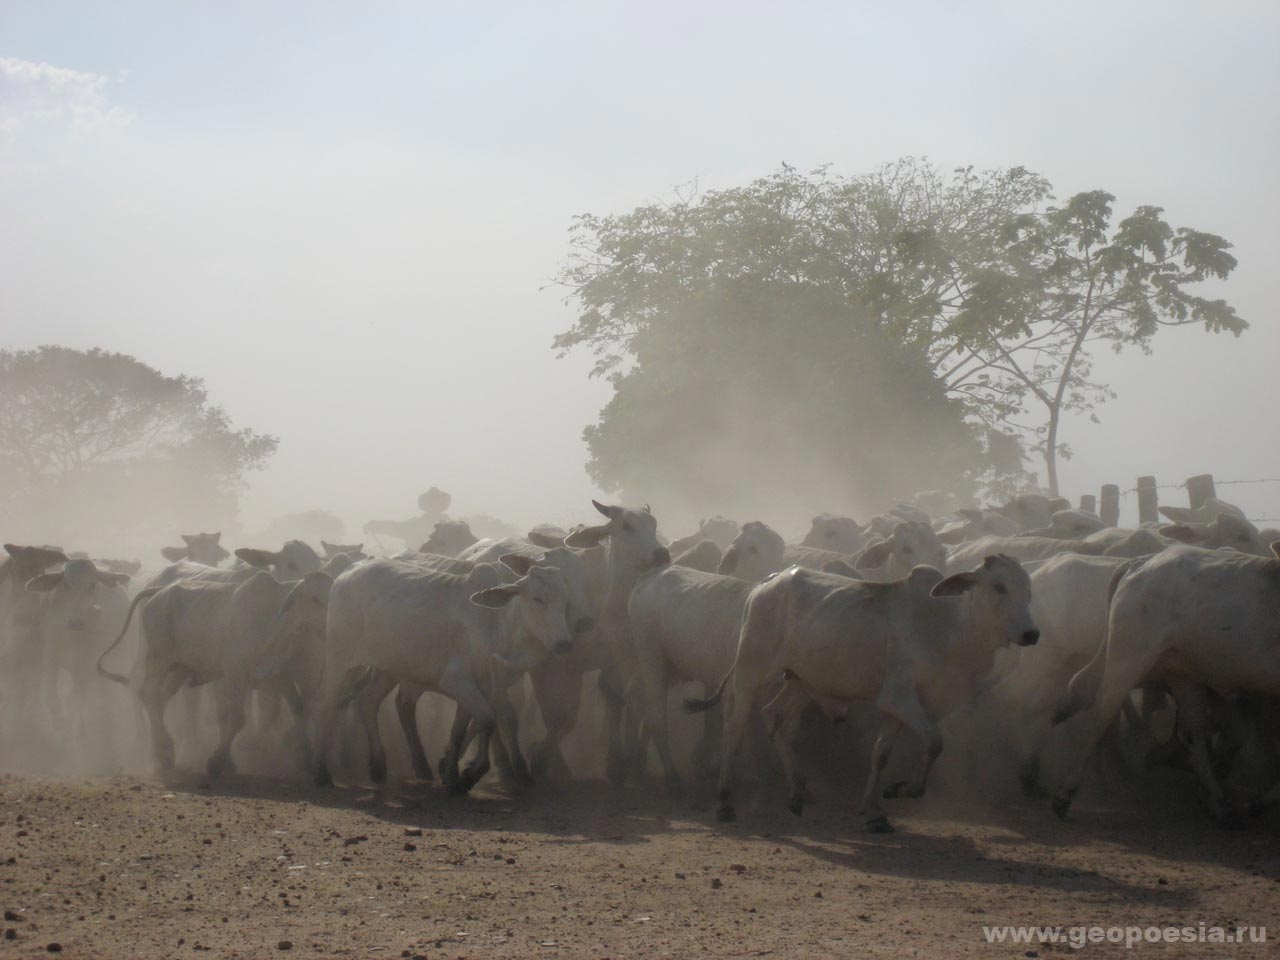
(495, 597)
(954, 585)
(189, 538)
(326, 546)
(1182, 533)
(518, 564)
(257, 558)
(1275, 549)
(109, 579)
(45, 582)
(587, 537)
(876, 555)
(173, 554)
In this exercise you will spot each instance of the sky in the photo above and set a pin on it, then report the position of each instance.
(345, 218)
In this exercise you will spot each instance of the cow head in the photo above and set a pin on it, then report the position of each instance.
(75, 590)
(910, 544)
(537, 602)
(203, 548)
(449, 538)
(1226, 530)
(999, 598)
(718, 530)
(632, 536)
(434, 502)
(754, 553)
(293, 561)
(546, 535)
(24, 563)
(353, 550)
(838, 534)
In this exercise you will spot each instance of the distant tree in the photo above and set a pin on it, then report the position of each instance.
(990, 297)
(1064, 280)
(101, 441)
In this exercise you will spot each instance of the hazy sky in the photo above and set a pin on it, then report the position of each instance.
(341, 215)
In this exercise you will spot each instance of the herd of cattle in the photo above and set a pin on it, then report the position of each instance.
(1078, 631)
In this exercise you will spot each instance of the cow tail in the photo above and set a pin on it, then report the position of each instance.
(142, 595)
(695, 705)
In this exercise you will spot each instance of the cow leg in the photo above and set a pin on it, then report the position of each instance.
(285, 690)
(458, 684)
(368, 702)
(229, 696)
(557, 688)
(324, 720)
(511, 763)
(1122, 671)
(1193, 727)
(785, 712)
(741, 707)
(269, 701)
(613, 689)
(652, 694)
(901, 702)
(407, 697)
(159, 684)
(871, 808)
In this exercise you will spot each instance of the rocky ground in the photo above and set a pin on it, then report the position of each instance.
(133, 867)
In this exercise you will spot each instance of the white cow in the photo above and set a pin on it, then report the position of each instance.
(755, 552)
(837, 534)
(82, 607)
(1199, 620)
(633, 548)
(910, 544)
(465, 636)
(237, 635)
(916, 648)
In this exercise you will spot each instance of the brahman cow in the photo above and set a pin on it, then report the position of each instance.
(915, 647)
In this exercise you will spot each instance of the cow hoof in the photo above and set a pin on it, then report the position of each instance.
(378, 771)
(423, 772)
(895, 790)
(726, 814)
(796, 805)
(1060, 807)
(218, 765)
(538, 766)
(1029, 778)
(879, 825)
(322, 777)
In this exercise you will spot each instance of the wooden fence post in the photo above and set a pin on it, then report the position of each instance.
(1110, 505)
(1089, 503)
(1148, 500)
(1199, 489)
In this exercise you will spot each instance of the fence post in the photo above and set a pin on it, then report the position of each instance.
(1109, 510)
(1199, 489)
(1148, 500)
(1089, 503)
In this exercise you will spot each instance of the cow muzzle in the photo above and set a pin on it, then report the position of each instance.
(584, 625)
(661, 558)
(1029, 637)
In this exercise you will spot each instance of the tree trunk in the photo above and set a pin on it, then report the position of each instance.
(1051, 452)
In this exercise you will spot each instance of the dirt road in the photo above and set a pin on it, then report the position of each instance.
(133, 867)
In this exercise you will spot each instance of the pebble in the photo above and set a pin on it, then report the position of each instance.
(284, 945)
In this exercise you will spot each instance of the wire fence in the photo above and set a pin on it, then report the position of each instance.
(1217, 483)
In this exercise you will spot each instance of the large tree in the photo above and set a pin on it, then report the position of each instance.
(989, 297)
(97, 445)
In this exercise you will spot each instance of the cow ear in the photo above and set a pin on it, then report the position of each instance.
(841, 569)
(518, 564)
(173, 554)
(603, 509)
(326, 546)
(1182, 533)
(12, 549)
(257, 558)
(217, 537)
(1177, 514)
(954, 585)
(587, 537)
(543, 540)
(45, 582)
(188, 538)
(876, 555)
(113, 579)
(495, 597)
(1275, 549)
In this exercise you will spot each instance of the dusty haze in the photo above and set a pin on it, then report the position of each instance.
(344, 223)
